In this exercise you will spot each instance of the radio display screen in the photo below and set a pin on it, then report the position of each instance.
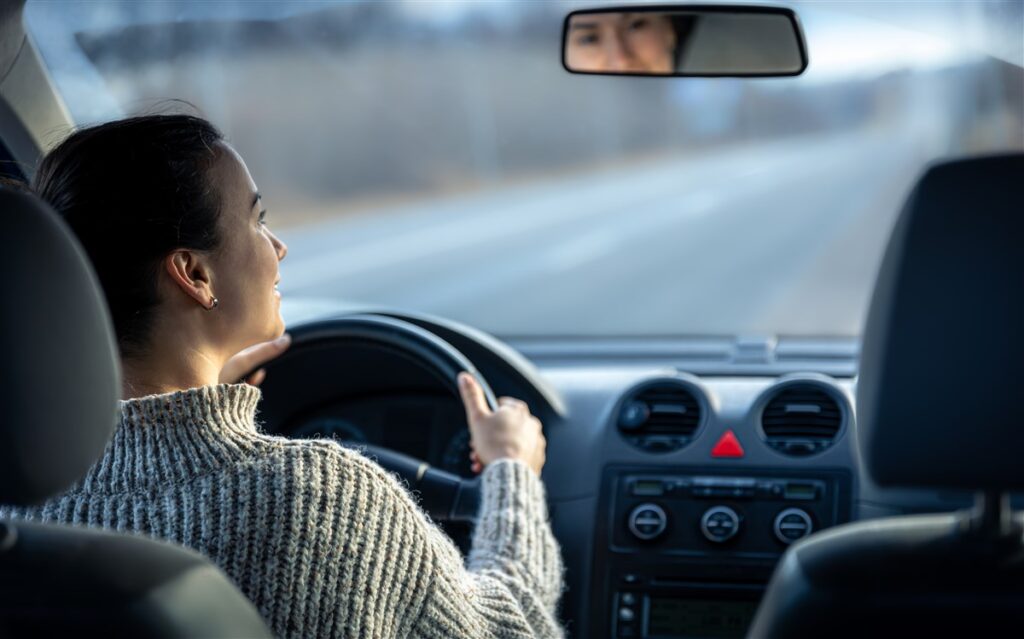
(801, 491)
(648, 487)
(698, 618)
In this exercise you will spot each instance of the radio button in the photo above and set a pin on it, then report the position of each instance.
(720, 524)
(647, 521)
(627, 599)
(792, 524)
(626, 614)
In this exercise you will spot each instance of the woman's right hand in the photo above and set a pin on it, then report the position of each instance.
(511, 431)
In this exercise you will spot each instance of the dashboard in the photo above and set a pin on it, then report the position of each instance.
(672, 492)
(692, 510)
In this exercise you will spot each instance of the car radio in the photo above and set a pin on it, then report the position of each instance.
(688, 553)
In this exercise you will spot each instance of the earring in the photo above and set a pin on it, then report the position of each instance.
(213, 304)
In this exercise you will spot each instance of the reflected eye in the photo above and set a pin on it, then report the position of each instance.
(639, 23)
(587, 39)
(263, 217)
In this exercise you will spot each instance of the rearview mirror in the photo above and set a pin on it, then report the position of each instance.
(701, 41)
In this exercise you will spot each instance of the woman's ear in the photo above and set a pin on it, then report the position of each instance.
(190, 273)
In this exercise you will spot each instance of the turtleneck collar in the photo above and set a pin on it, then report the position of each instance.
(174, 436)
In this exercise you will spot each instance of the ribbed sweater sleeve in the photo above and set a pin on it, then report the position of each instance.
(513, 578)
(509, 587)
(324, 541)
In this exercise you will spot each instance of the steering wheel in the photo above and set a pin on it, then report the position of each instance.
(443, 495)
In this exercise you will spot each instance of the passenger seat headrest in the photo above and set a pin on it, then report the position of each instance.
(939, 399)
(60, 378)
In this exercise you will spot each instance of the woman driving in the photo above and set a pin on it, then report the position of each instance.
(324, 541)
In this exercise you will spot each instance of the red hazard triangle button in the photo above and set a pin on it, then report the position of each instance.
(727, 446)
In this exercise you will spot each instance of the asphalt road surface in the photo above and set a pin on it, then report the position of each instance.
(781, 238)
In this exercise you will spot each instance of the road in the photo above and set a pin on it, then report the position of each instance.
(777, 238)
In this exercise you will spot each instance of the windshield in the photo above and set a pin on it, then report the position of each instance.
(435, 156)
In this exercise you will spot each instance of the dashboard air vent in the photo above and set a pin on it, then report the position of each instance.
(660, 417)
(801, 419)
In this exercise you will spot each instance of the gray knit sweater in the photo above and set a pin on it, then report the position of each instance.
(324, 541)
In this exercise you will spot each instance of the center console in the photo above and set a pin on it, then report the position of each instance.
(686, 553)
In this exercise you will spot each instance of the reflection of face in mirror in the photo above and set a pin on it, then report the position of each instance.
(621, 43)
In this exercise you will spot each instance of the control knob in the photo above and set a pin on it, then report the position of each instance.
(634, 415)
(720, 524)
(792, 524)
(647, 521)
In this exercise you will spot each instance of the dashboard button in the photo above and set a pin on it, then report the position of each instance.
(720, 524)
(792, 524)
(728, 446)
(628, 599)
(647, 521)
(626, 614)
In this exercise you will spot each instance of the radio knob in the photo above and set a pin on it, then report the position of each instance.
(792, 524)
(647, 521)
(720, 524)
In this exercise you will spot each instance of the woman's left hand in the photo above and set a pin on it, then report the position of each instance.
(252, 357)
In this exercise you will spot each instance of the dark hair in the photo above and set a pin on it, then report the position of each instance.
(132, 191)
(683, 25)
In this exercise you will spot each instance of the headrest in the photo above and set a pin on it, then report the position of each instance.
(60, 378)
(939, 398)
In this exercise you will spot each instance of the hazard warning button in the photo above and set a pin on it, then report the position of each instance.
(728, 446)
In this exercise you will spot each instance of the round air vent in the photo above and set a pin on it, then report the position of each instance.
(801, 419)
(660, 417)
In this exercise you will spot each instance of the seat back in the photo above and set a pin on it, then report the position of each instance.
(59, 388)
(63, 581)
(913, 576)
(937, 404)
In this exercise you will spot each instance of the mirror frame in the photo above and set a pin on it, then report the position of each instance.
(707, 8)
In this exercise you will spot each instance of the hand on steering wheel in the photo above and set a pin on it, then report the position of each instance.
(245, 366)
(508, 432)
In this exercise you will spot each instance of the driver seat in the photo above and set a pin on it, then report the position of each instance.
(59, 387)
(938, 404)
